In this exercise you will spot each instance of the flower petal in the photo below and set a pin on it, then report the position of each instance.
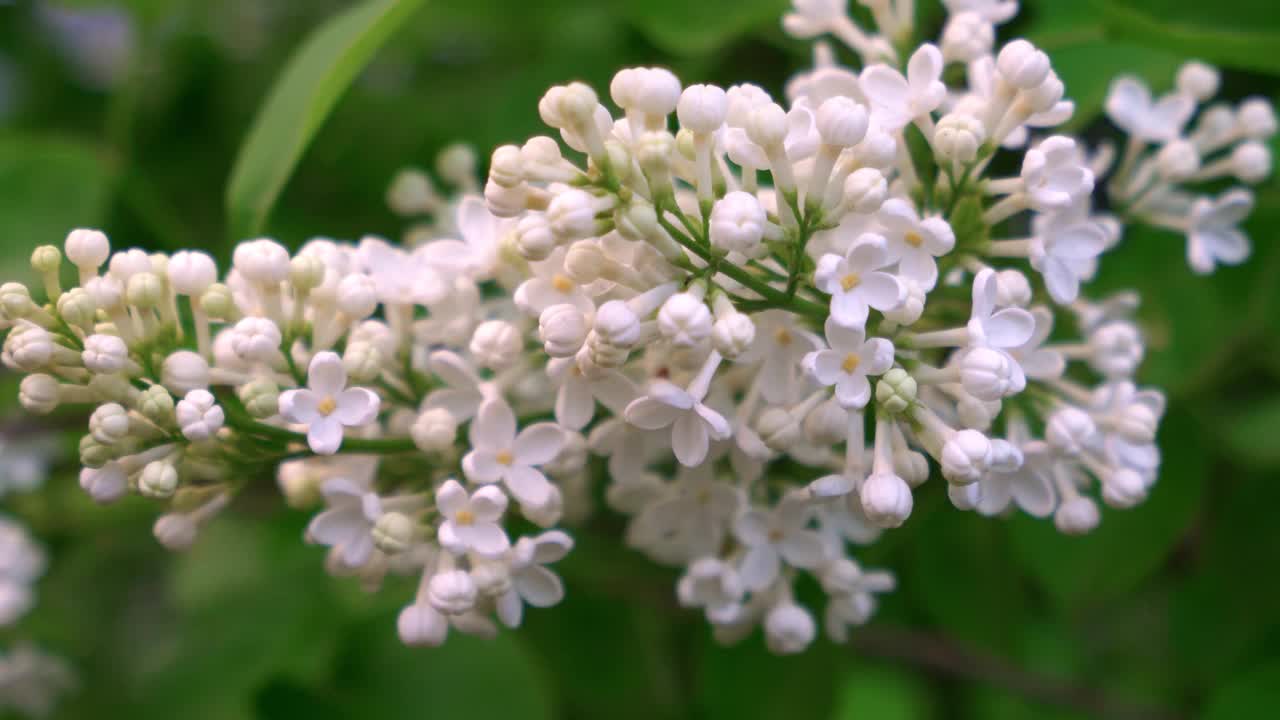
(326, 375)
(481, 466)
(494, 426)
(357, 406)
(324, 435)
(528, 485)
(647, 413)
(538, 444)
(759, 568)
(574, 404)
(689, 440)
(802, 549)
(451, 497)
(1009, 328)
(551, 546)
(485, 538)
(539, 586)
(299, 406)
(453, 370)
(487, 503)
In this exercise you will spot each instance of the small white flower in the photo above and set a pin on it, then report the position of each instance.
(811, 18)
(531, 582)
(471, 523)
(1213, 233)
(1065, 251)
(498, 454)
(993, 11)
(737, 223)
(1130, 106)
(693, 425)
(897, 100)
(847, 363)
(771, 537)
(855, 285)
(1028, 484)
(579, 390)
(347, 525)
(199, 415)
(914, 242)
(1002, 329)
(1054, 175)
(1037, 361)
(327, 405)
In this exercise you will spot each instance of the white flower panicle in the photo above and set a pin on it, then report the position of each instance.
(770, 318)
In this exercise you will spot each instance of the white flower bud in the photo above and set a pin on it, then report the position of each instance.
(534, 239)
(394, 533)
(966, 456)
(685, 320)
(144, 290)
(362, 361)
(841, 121)
(256, 339)
(1117, 349)
(217, 302)
(262, 261)
(506, 167)
(1256, 118)
(1251, 162)
(1045, 96)
(562, 329)
(895, 391)
(767, 125)
(1198, 80)
(421, 625)
(1076, 516)
(306, 272)
(191, 272)
(702, 108)
(411, 193)
(457, 164)
(30, 346)
(886, 499)
(109, 424)
(107, 292)
(260, 397)
(656, 92)
(964, 497)
(496, 344)
(1022, 65)
(76, 307)
(434, 430)
(616, 324)
(654, 151)
(452, 592)
(967, 37)
(827, 424)
(778, 429)
(1137, 423)
(732, 334)
(788, 629)
(87, 249)
(1070, 430)
(38, 393)
(911, 466)
(125, 264)
(986, 374)
(491, 578)
(505, 202)
(46, 259)
(94, 454)
(958, 137)
(584, 262)
(865, 190)
(105, 484)
(156, 404)
(159, 480)
(737, 223)
(572, 215)
(357, 296)
(912, 307)
(198, 415)
(1012, 289)
(184, 371)
(878, 150)
(1123, 488)
(976, 414)
(175, 531)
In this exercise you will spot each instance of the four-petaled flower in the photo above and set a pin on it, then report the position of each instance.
(471, 523)
(854, 283)
(499, 454)
(693, 425)
(848, 362)
(1213, 235)
(326, 405)
(897, 100)
(914, 242)
(771, 537)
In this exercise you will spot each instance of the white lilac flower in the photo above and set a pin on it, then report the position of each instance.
(1131, 108)
(1213, 232)
(327, 405)
(854, 283)
(914, 242)
(472, 523)
(347, 525)
(847, 362)
(896, 100)
(693, 424)
(771, 538)
(499, 454)
(532, 583)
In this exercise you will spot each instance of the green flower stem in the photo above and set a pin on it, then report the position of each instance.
(238, 419)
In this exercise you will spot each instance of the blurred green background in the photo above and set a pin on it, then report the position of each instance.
(128, 116)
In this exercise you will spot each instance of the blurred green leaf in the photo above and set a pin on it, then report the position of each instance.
(880, 693)
(1236, 34)
(300, 101)
(1250, 433)
(1254, 694)
(701, 27)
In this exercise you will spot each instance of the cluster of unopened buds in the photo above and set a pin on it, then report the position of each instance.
(774, 320)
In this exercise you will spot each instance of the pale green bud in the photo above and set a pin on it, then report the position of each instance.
(159, 480)
(156, 404)
(260, 397)
(895, 391)
(76, 307)
(94, 454)
(46, 259)
(393, 533)
(145, 290)
(217, 302)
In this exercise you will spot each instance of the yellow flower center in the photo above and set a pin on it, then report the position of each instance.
(782, 336)
(464, 517)
(561, 283)
(850, 281)
(913, 239)
(505, 457)
(850, 362)
(327, 405)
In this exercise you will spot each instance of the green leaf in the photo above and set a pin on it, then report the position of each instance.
(1254, 694)
(701, 27)
(1250, 434)
(881, 693)
(1236, 34)
(300, 101)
